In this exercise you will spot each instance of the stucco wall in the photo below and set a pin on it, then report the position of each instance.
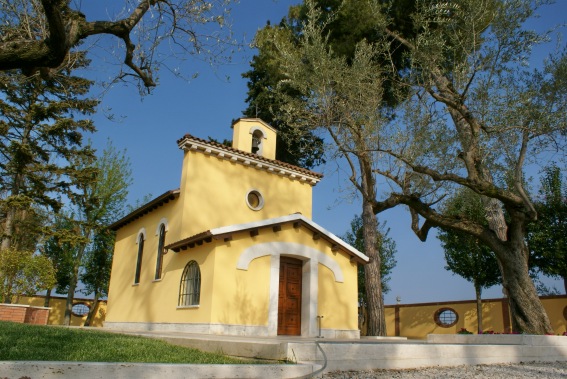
(231, 296)
(213, 193)
(57, 310)
(417, 320)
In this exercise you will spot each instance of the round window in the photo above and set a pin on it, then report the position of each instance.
(446, 317)
(565, 313)
(80, 309)
(255, 200)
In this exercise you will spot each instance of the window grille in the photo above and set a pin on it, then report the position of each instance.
(190, 286)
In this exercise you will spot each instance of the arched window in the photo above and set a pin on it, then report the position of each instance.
(257, 137)
(190, 286)
(139, 260)
(161, 244)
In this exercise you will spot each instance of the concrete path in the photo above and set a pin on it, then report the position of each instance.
(96, 370)
(314, 355)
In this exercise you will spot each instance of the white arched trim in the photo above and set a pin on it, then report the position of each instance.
(142, 231)
(254, 128)
(291, 249)
(164, 222)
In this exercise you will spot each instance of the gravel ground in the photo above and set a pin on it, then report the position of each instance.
(503, 371)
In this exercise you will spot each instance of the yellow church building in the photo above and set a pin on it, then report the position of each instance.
(234, 250)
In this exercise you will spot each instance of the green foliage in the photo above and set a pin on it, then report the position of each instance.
(547, 237)
(465, 255)
(97, 263)
(386, 248)
(24, 342)
(472, 113)
(96, 204)
(28, 226)
(23, 273)
(296, 147)
(60, 248)
(42, 123)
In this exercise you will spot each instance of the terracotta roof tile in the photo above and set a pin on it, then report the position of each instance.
(251, 155)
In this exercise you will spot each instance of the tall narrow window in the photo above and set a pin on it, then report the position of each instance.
(161, 244)
(190, 286)
(139, 260)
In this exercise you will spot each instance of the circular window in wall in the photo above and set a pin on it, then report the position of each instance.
(80, 309)
(565, 313)
(254, 200)
(446, 317)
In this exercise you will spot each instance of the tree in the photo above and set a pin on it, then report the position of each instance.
(473, 115)
(300, 149)
(60, 248)
(96, 205)
(41, 129)
(465, 255)
(386, 249)
(547, 238)
(38, 35)
(23, 273)
(96, 269)
(333, 96)
(344, 24)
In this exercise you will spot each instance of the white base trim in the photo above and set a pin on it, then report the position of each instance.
(219, 329)
(340, 334)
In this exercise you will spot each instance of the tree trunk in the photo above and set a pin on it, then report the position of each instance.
(47, 298)
(92, 310)
(478, 292)
(526, 309)
(8, 228)
(71, 294)
(373, 283)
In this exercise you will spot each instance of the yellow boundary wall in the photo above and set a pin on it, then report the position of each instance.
(418, 320)
(57, 309)
(406, 320)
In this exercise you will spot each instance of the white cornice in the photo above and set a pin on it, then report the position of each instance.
(290, 218)
(235, 156)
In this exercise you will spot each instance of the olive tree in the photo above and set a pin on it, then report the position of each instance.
(334, 96)
(473, 115)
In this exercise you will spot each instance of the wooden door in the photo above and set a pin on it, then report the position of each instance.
(289, 301)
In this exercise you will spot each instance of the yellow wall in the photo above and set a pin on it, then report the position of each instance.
(228, 296)
(417, 320)
(556, 308)
(213, 194)
(242, 138)
(338, 301)
(221, 198)
(240, 297)
(156, 300)
(57, 311)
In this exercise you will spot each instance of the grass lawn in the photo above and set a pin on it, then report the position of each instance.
(19, 342)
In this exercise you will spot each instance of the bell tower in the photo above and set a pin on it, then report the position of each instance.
(253, 135)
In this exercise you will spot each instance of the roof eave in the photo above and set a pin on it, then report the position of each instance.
(253, 227)
(145, 209)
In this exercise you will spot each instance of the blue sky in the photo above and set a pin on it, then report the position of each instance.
(149, 127)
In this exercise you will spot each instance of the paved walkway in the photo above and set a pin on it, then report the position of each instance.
(315, 356)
